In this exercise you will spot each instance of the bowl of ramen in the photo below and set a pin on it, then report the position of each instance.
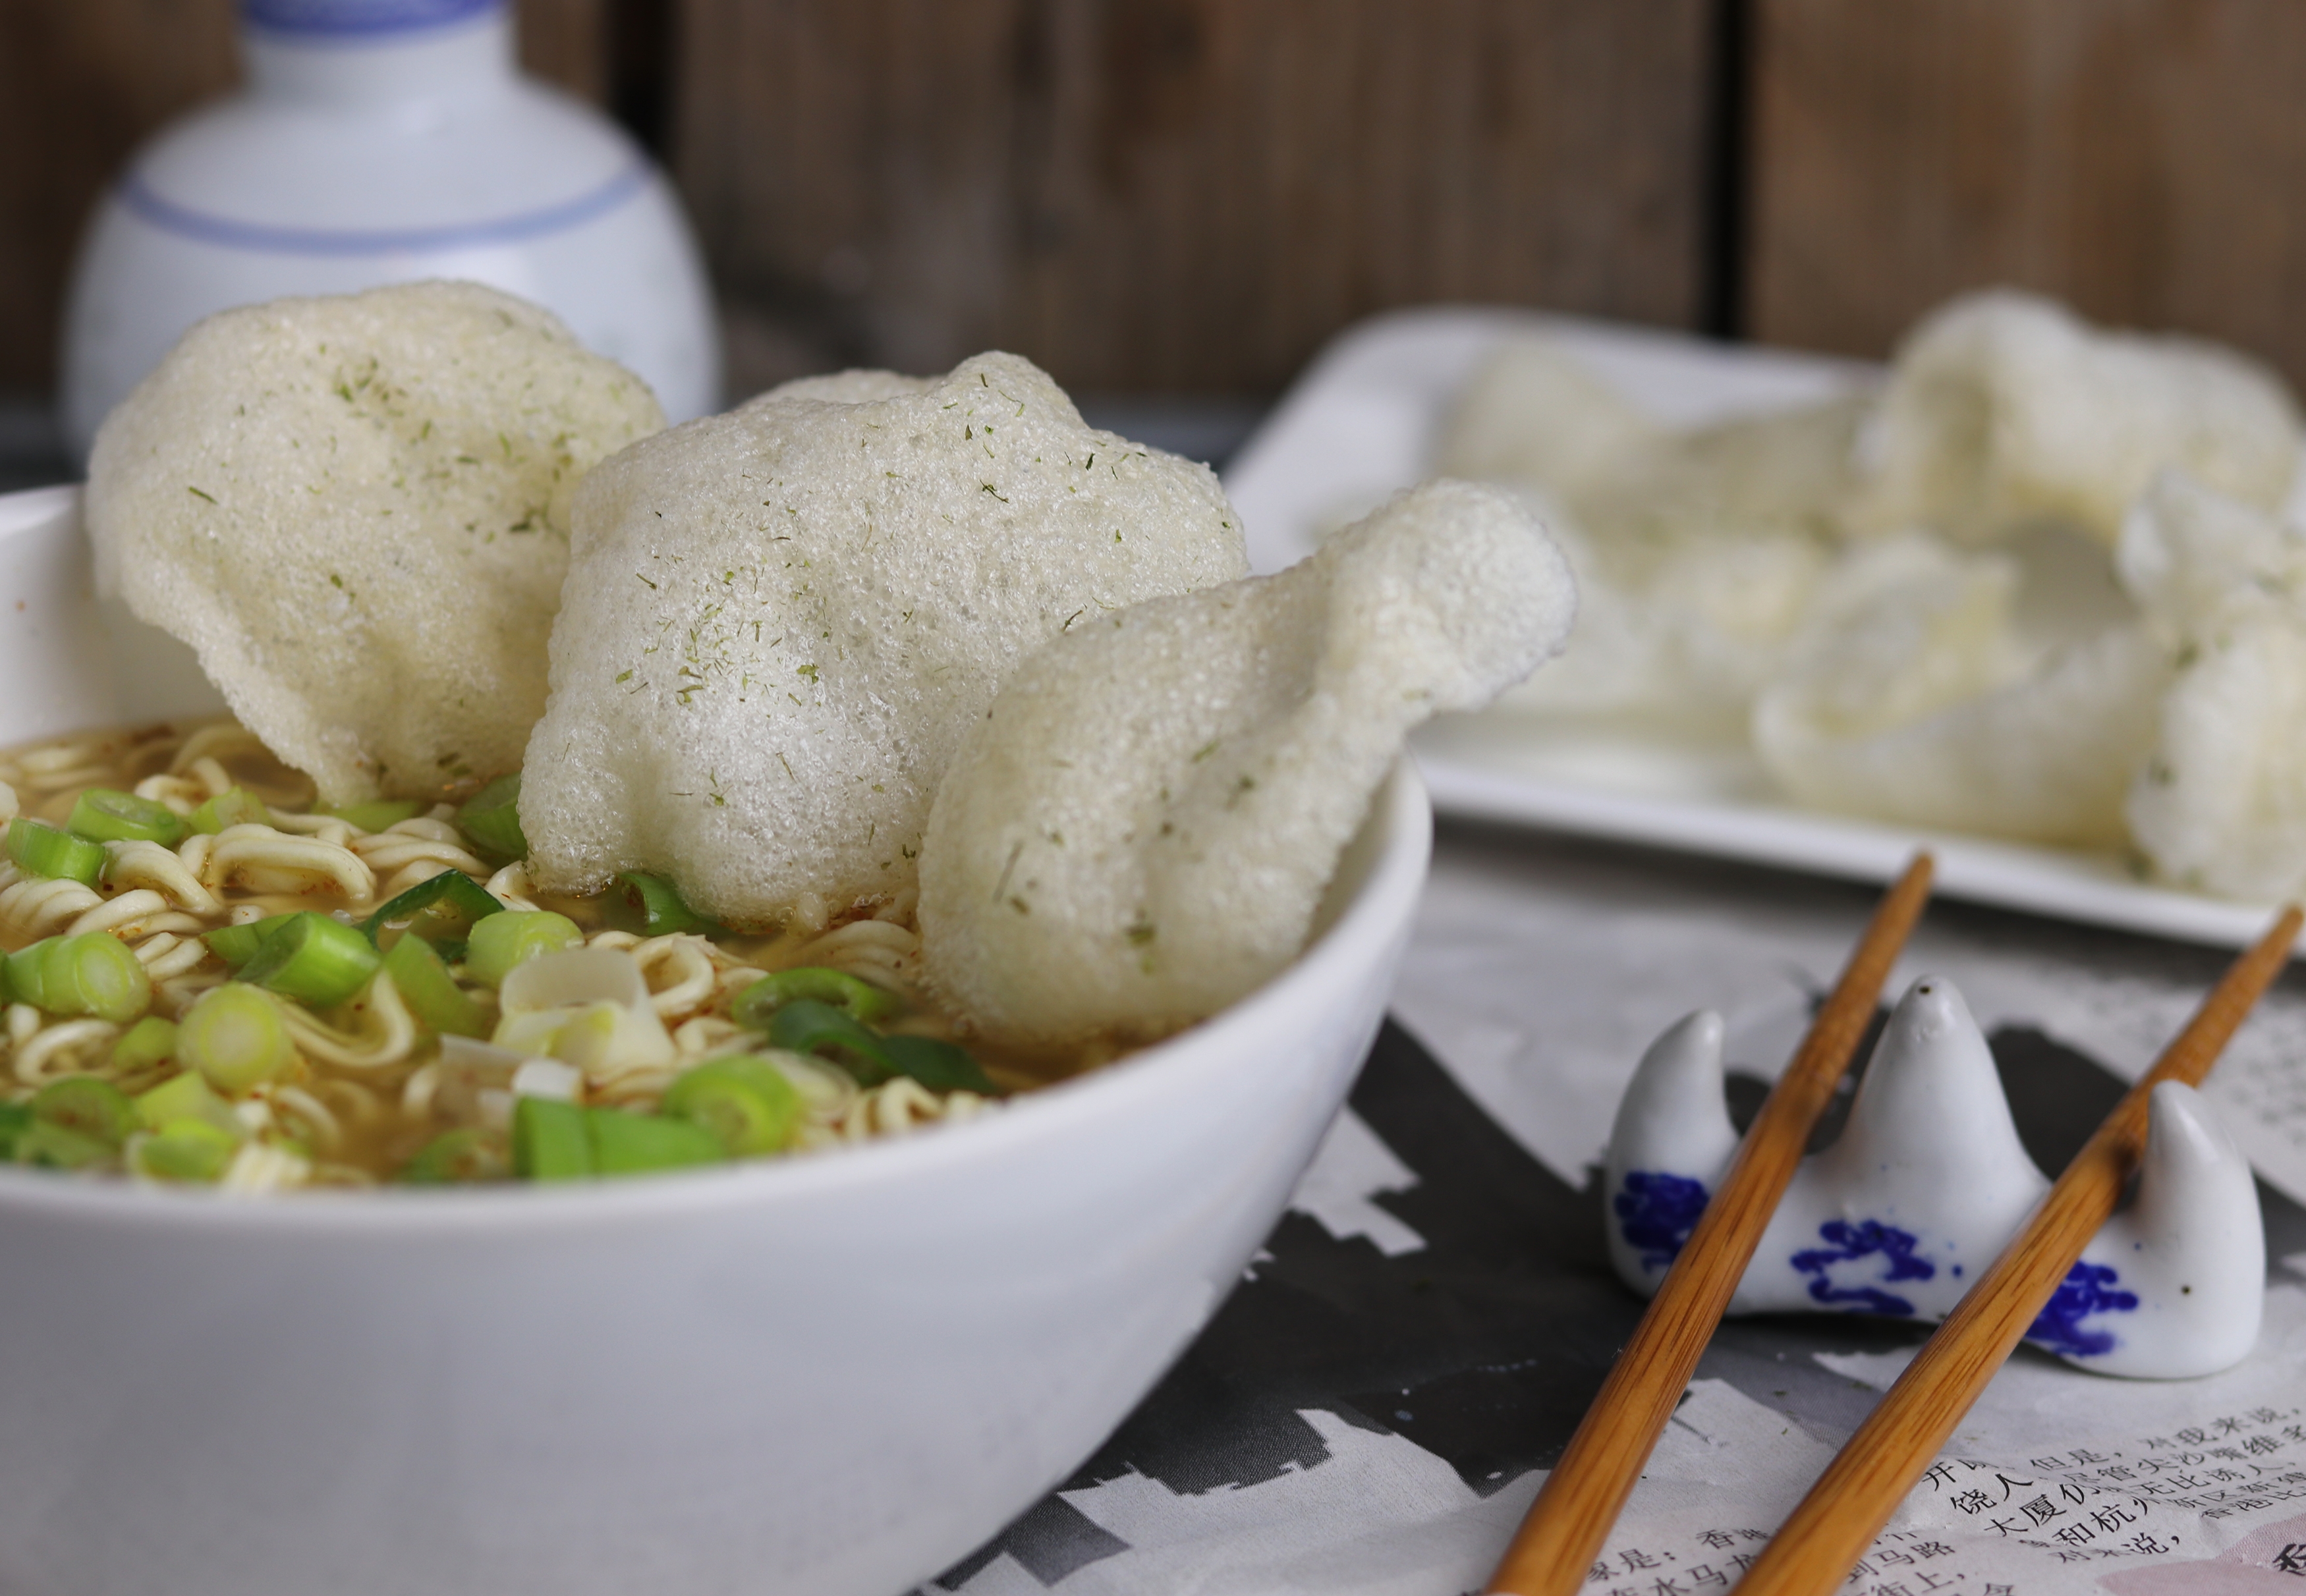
(825, 1373)
(886, 817)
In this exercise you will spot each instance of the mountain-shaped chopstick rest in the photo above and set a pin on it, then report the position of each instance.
(1928, 1181)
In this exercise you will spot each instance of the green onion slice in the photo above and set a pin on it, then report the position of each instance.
(237, 944)
(502, 942)
(549, 1140)
(39, 849)
(459, 1158)
(28, 967)
(807, 1026)
(442, 908)
(381, 815)
(319, 960)
(93, 1108)
(859, 1000)
(192, 1152)
(235, 805)
(431, 992)
(48, 1145)
(16, 1118)
(491, 819)
(92, 973)
(643, 1144)
(939, 1066)
(235, 1037)
(747, 1103)
(652, 906)
(186, 1096)
(148, 1042)
(104, 815)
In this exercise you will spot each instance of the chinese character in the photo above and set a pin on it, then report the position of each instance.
(2258, 1446)
(2111, 1519)
(1744, 1560)
(1719, 1539)
(2291, 1558)
(2232, 1453)
(2228, 1426)
(2266, 1416)
(1939, 1474)
(1755, 1534)
(2115, 1471)
(1933, 1548)
(2003, 1524)
(1862, 1569)
(2154, 1441)
(2228, 1474)
(1992, 1590)
(1887, 1590)
(2073, 1493)
(1597, 1574)
(2144, 1545)
(1706, 1573)
(2193, 1438)
(2009, 1485)
(1931, 1582)
(1634, 1558)
(2041, 1510)
(1667, 1587)
(2081, 1455)
(1973, 1501)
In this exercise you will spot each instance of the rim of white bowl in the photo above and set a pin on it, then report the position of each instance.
(1385, 899)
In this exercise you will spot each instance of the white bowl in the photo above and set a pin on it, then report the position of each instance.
(838, 1373)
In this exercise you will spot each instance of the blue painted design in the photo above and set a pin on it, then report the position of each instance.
(2087, 1289)
(1656, 1213)
(1866, 1239)
(360, 18)
(141, 201)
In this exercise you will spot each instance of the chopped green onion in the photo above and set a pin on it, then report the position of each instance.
(939, 1066)
(92, 973)
(235, 1037)
(319, 960)
(50, 1146)
(652, 906)
(186, 1096)
(642, 1144)
(235, 805)
(237, 944)
(442, 908)
(28, 967)
(381, 815)
(549, 1140)
(503, 942)
(192, 1152)
(93, 1108)
(459, 1158)
(491, 819)
(103, 814)
(807, 1026)
(147, 1043)
(431, 992)
(39, 849)
(859, 1000)
(745, 1102)
(16, 1118)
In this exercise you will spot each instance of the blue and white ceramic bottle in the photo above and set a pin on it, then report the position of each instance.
(384, 141)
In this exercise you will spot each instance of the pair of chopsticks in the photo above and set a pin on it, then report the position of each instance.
(1827, 1534)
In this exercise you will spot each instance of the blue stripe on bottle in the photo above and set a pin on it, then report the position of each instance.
(342, 19)
(141, 201)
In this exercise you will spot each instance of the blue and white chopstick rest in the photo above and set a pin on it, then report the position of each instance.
(1926, 1185)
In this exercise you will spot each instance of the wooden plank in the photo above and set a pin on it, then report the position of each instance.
(1181, 195)
(2140, 159)
(82, 84)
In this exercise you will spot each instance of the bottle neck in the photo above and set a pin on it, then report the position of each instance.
(376, 53)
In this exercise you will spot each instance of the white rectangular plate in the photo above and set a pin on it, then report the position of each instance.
(1359, 424)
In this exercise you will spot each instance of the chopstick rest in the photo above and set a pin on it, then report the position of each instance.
(1854, 1498)
(1581, 1498)
(1928, 1181)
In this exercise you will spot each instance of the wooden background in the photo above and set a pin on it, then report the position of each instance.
(1187, 196)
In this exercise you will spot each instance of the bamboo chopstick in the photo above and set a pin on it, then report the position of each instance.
(1816, 1547)
(1581, 1498)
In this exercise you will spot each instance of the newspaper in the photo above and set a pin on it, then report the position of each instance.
(1332, 1435)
